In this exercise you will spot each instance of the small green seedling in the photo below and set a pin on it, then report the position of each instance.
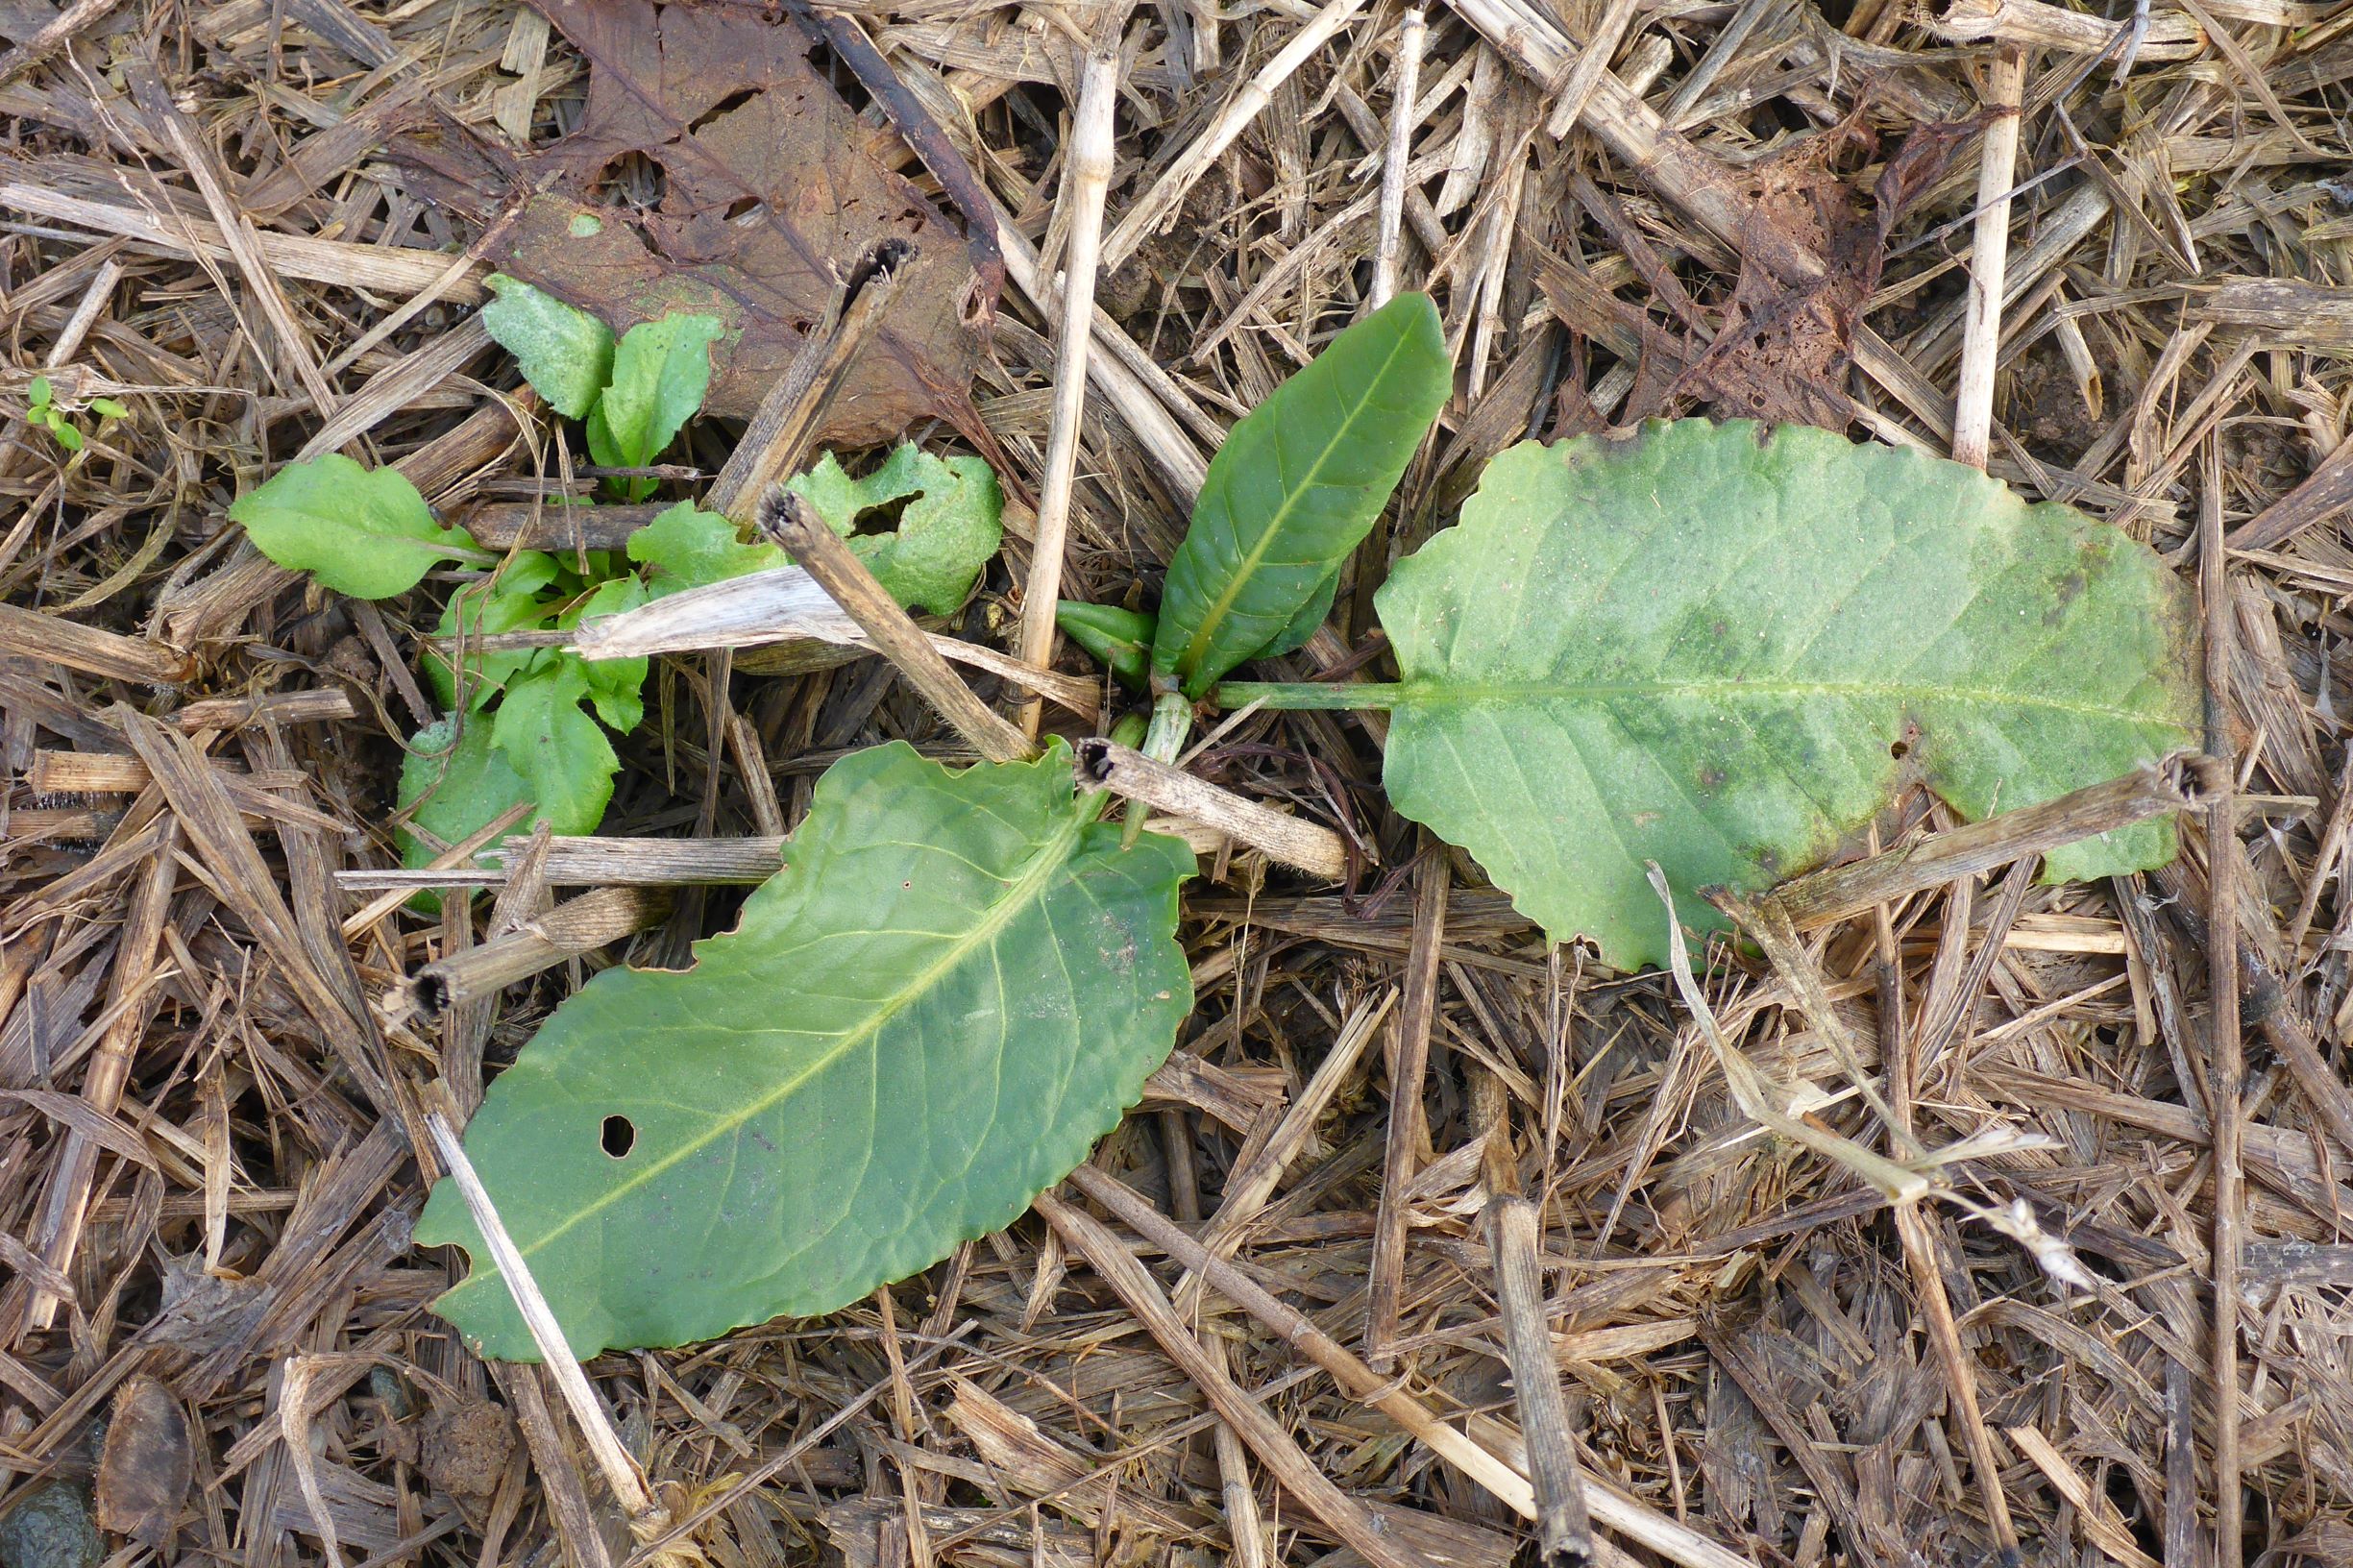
(41, 410)
(528, 723)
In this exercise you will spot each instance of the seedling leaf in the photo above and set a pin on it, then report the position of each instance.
(957, 983)
(951, 523)
(510, 604)
(1723, 652)
(1120, 638)
(1297, 484)
(361, 531)
(660, 372)
(545, 736)
(566, 353)
(688, 547)
(462, 780)
(615, 686)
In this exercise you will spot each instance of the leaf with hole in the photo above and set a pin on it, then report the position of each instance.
(566, 353)
(957, 983)
(1724, 652)
(1296, 489)
(361, 531)
(950, 519)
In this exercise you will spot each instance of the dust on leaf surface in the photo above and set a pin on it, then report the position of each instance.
(722, 175)
(957, 983)
(1723, 651)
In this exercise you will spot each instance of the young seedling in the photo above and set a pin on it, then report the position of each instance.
(41, 410)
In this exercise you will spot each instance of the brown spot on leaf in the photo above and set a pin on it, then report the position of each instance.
(144, 1471)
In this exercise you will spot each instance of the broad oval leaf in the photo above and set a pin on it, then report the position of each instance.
(361, 531)
(957, 983)
(1296, 486)
(1722, 652)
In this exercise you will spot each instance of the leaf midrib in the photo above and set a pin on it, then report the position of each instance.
(1019, 895)
(1222, 605)
(1431, 693)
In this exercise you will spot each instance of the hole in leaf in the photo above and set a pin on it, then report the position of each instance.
(1900, 750)
(616, 1137)
(632, 180)
(882, 519)
(839, 76)
(726, 106)
(743, 206)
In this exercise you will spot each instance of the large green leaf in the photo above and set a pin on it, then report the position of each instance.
(1722, 651)
(1296, 486)
(955, 985)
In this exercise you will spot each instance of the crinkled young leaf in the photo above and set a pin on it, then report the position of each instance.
(462, 780)
(689, 548)
(958, 983)
(616, 687)
(546, 736)
(566, 353)
(360, 531)
(488, 609)
(1722, 652)
(952, 521)
(1297, 485)
(660, 372)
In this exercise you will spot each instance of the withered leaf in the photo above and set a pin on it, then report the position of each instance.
(144, 1472)
(716, 170)
(1783, 354)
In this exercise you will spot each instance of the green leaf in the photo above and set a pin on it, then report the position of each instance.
(1723, 652)
(1304, 625)
(1120, 639)
(37, 394)
(566, 353)
(615, 686)
(545, 736)
(1295, 487)
(952, 521)
(688, 547)
(109, 409)
(67, 435)
(488, 610)
(955, 986)
(359, 531)
(462, 780)
(660, 373)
